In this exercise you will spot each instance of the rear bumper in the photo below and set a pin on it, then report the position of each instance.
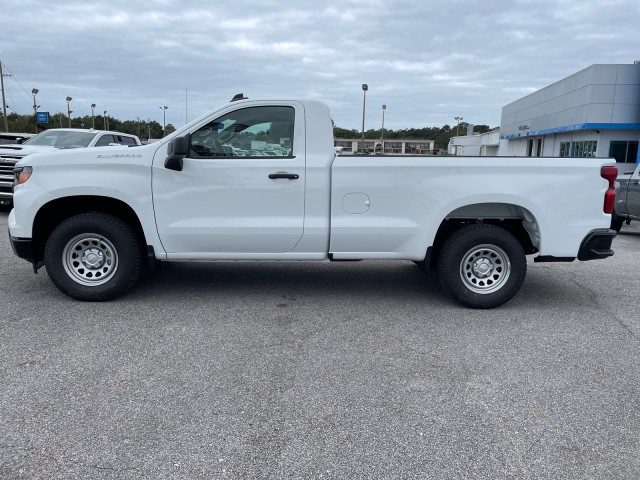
(597, 245)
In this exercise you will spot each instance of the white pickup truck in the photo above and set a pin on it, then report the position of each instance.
(260, 181)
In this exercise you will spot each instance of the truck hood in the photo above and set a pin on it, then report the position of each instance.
(91, 156)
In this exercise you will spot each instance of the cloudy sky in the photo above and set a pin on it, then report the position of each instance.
(427, 60)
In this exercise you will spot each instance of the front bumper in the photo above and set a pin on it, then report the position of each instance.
(597, 245)
(23, 248)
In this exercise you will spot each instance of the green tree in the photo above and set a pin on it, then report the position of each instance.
(481, 128)
(344, 133)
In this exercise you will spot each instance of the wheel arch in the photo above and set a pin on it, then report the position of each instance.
(516, 219)
(56, 211)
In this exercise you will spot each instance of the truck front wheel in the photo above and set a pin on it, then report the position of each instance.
(93, 257)
(482, 266)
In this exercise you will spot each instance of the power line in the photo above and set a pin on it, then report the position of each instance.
(27, 94)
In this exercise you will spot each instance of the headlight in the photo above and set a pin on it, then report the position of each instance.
(22, 174)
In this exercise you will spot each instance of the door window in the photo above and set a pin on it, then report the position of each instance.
(105, 140)
(248, 132)
(124, 140)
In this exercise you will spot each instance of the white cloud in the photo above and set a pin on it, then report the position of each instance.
(427, 61)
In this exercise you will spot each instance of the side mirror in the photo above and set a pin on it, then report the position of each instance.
(177, 149)
(173, 163)
(178, 146)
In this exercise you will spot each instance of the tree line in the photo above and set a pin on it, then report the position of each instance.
(143, 129)
(440, 135)
(151, 129)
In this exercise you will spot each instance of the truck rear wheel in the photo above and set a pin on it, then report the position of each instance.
(482, 266)
(93, 257)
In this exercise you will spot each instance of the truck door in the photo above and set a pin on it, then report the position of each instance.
(241, 187)
(633, 193)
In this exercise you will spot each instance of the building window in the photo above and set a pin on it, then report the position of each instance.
(624, 151)
(563, 148)
(585, 148)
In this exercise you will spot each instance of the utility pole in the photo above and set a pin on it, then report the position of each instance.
(164, 119)
(34, 92)
(69, 111)
(365, 87)
(458, 119)
(4, 105)
(384, 107)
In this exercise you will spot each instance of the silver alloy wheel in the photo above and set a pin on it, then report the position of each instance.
(485, 269)
(90, 259)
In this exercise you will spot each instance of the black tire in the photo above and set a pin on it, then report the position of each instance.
(481, 266)
(616, 222)
(94, 257)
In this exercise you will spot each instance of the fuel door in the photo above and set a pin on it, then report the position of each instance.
(356, 203)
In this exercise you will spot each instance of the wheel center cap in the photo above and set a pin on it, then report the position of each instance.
(93, 258)
(482, 267)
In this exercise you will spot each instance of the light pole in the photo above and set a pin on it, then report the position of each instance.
(365, 87)
(106, 121)
(93, 120)
(69, 109)
(34, 92)
(384, 107)
(138, 118)
(164, 119)
(458, 127)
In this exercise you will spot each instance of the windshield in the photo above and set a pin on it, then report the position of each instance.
(62, 139)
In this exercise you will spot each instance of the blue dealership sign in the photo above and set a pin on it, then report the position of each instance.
(42, 117)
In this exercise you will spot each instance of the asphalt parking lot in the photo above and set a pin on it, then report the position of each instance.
(347, 370)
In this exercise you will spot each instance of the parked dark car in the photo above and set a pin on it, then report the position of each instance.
(627, 204)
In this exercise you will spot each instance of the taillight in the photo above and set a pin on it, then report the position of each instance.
(610, 174)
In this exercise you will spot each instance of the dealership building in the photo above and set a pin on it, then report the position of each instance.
(592, 113)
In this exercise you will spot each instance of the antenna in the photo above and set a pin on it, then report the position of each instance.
(239, 96)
